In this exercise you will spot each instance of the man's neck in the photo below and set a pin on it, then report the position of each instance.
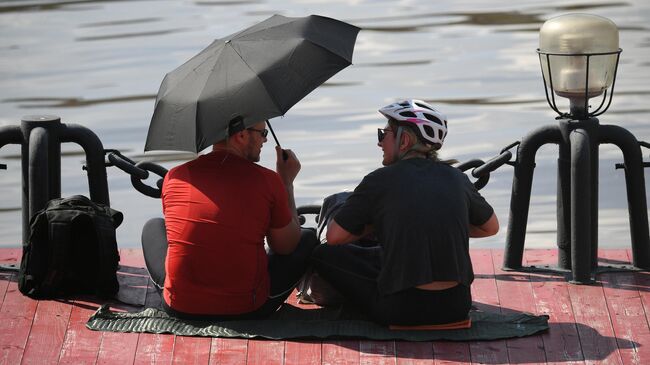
(227, 149)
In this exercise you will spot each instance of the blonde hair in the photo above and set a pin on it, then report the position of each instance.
(430, 151)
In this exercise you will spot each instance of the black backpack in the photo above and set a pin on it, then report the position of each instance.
(71, 250)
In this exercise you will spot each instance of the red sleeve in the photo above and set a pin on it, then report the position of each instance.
(280, 212)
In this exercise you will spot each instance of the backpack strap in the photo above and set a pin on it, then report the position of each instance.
(106, 284)
(59, 258)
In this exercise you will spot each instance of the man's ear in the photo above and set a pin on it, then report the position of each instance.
(239, 137)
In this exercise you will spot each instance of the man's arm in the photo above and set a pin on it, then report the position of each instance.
(337, 235)
(284, 240)
(489, 228)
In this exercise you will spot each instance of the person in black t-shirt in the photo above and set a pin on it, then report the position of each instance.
(423, 212)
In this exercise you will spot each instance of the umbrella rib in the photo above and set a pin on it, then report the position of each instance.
(293, 20)
(255, 73)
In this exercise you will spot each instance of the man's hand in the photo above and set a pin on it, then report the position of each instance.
(287, 169)
(284, 240)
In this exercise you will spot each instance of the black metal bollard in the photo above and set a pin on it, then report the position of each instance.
(522, 182)
(577, 195)
(636, 194)
(40, 137)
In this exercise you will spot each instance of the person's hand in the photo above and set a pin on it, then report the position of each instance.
(287, 168)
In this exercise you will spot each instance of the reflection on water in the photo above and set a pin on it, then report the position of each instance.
(121, 22)
(12, 6)
(100, 64)
(72, 102)
(394, 64)
(226, 3)
(132, 35)
(473, 18)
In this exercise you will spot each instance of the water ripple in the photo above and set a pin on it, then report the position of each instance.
(575, 7)
(132, 35)
(48, 5)
(120, 22)
(480, 19)
(44, 102)
(389, 64)
(226, 3)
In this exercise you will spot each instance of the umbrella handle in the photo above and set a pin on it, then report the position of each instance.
(285, 155)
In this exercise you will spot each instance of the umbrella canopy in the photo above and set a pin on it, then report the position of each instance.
(256, 74)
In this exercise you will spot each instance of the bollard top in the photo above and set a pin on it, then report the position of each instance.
(41, 118)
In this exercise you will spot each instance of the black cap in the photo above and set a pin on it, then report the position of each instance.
(235, 125)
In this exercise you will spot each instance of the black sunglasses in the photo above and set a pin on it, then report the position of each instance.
(381, 133)
(264, 132)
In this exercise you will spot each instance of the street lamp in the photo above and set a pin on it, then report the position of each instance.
(579, 56)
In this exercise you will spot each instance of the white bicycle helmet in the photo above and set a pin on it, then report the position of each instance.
(430, 122)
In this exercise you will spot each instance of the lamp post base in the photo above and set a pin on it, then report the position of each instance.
(578, 196)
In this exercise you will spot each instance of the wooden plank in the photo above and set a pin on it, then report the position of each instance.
(451, 353)
(377, 352)
(302, 352)
(264, 352)
(8, 256)
(117, 347)
(150, 348)
(5, 278)
(517, 294)
(81, 345)
(191, 350)
(47, 333)
(551, 295)
(594, 325)
(414, 353)
(486, 297)
(154, 349)
(16, 316)
(642, 280)
(228, 351)
(340, 352)
(626, 312)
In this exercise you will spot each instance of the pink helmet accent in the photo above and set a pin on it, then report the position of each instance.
(430, 122)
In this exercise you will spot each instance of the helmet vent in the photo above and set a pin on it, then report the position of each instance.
(408, 114)
(432, 118)
(428, 130)
(423, 106)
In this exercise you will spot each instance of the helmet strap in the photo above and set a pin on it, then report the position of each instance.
(398, 140)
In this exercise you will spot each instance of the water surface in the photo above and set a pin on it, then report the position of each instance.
(100, 63)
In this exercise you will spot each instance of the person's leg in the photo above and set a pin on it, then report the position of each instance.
(154, 248)
(351, 269)
(285, 272)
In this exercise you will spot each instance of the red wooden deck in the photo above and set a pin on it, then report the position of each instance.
(602, 323)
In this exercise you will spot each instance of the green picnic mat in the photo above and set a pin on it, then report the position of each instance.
(290, 322)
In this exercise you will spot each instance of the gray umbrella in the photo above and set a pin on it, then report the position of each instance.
(256, 74)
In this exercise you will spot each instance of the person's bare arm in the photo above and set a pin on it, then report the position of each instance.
(489, 228)
(284, 240)
(337, 235)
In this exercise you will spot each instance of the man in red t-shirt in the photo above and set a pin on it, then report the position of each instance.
(218, 210)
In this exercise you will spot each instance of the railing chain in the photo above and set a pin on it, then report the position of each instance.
(481, 170)
(139, 171)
